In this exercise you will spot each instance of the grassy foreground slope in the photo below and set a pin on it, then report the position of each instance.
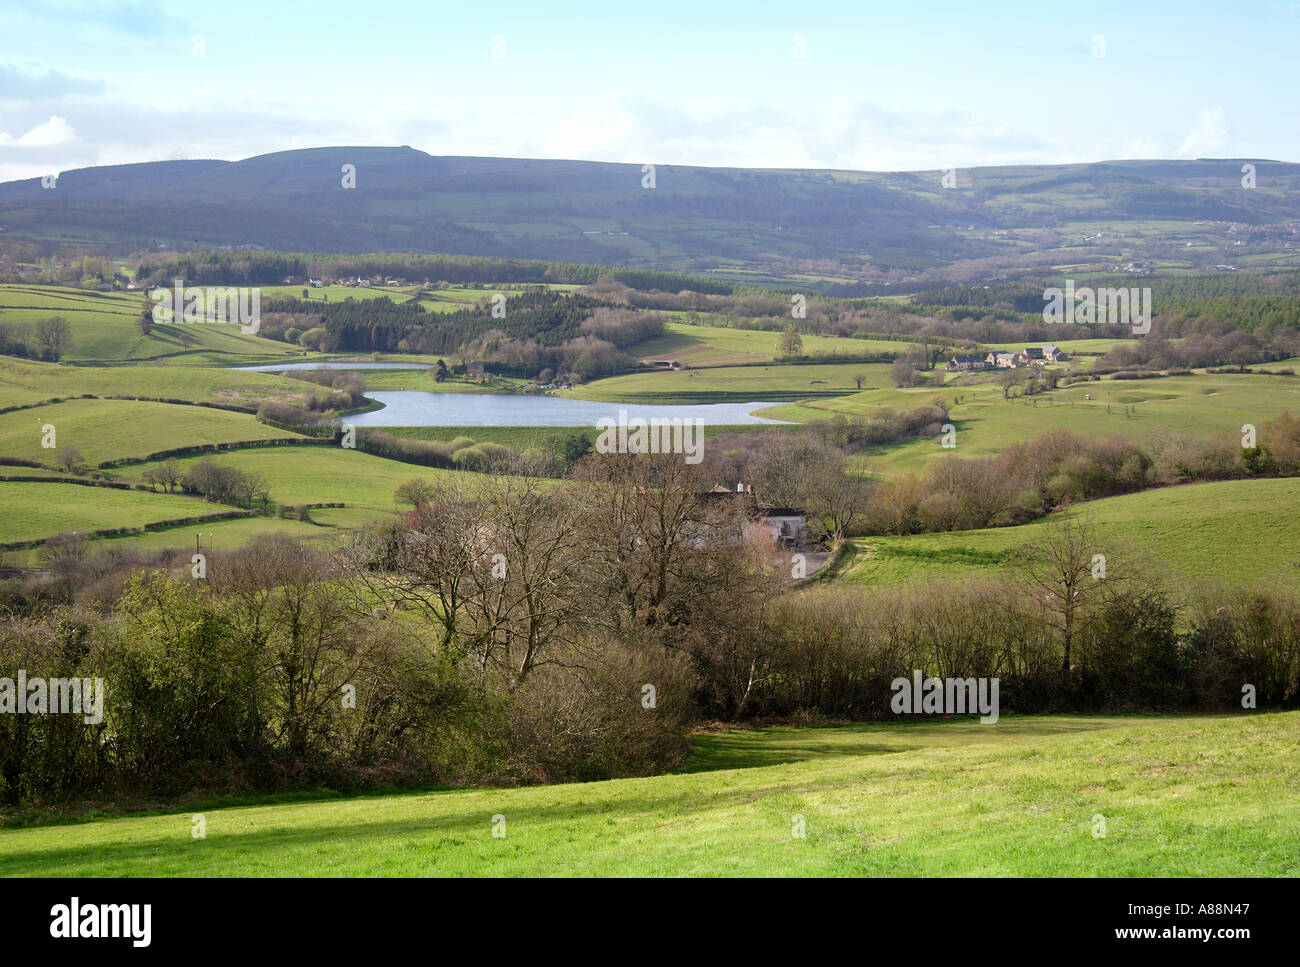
(1237, 530)
(1180, 796)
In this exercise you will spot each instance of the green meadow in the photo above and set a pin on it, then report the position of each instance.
(31, 511)
(704, 346)
(104, 326)
(319, 474)
(1235, 530)
(1202, 404)
(1179, 796)
(772, 383)
(24, 381)
(112, 429)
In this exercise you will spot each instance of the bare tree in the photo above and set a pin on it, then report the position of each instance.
(53, 334)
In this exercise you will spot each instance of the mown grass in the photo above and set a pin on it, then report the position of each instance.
(1180, 796)
(1235, 530)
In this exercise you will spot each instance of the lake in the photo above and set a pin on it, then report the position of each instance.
(281, 367)
(412, 408)
(416, 408)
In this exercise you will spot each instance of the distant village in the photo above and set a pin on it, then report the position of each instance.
(965, 363)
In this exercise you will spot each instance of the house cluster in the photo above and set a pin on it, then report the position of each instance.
(357, 282)
(969, 362)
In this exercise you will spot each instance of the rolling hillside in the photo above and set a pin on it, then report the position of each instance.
(732, 221)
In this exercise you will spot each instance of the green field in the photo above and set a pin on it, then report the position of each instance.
(112, 429)
(31, 511)
(1180, 796)
(1202, 404)
(1237, 530)
(104, 326)
(768, 383)
(704, 346)
(24, 381)
(314, 474)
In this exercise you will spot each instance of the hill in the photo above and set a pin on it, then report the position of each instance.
(1234, 530)
(829, 228)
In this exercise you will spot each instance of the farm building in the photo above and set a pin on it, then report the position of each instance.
(966, 362)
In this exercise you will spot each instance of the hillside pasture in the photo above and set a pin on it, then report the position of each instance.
(1182, 796)
(1234, 530)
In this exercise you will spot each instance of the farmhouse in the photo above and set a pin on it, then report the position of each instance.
(474, 370)
(1002, 360)
(766, 525)
(966, 362)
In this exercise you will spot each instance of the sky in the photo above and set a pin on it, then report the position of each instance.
(850, 85)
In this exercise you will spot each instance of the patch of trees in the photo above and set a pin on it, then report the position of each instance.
(270, 268)
(217, 482)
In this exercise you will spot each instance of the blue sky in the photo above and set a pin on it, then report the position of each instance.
(879, 86)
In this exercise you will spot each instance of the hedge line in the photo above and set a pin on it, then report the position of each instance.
(213, 448)
(145, 529)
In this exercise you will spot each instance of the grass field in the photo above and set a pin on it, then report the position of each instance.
(774, 382)
(112, 429)
(1203, 404)
(306, 475)
(23, 381)
(104, 326)
(1181, 796)
(703, 346)
(30, 511)
(1237, 530)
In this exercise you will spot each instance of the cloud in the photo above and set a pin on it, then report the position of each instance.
(1208, 136)
(42, 83)
(138, 18)
(55, 132)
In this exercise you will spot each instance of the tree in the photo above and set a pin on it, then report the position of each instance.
(1007, 380)
(146, 316)
(70, 460)
(168, 474)
(575, 446)
(904, 373)
(791, 343)
(859, 380)
(1058, 572)
(415, 492)
(52, 334)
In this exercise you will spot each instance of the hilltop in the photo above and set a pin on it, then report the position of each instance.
(842, 227)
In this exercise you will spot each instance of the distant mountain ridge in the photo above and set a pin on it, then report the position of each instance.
(861, 224)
